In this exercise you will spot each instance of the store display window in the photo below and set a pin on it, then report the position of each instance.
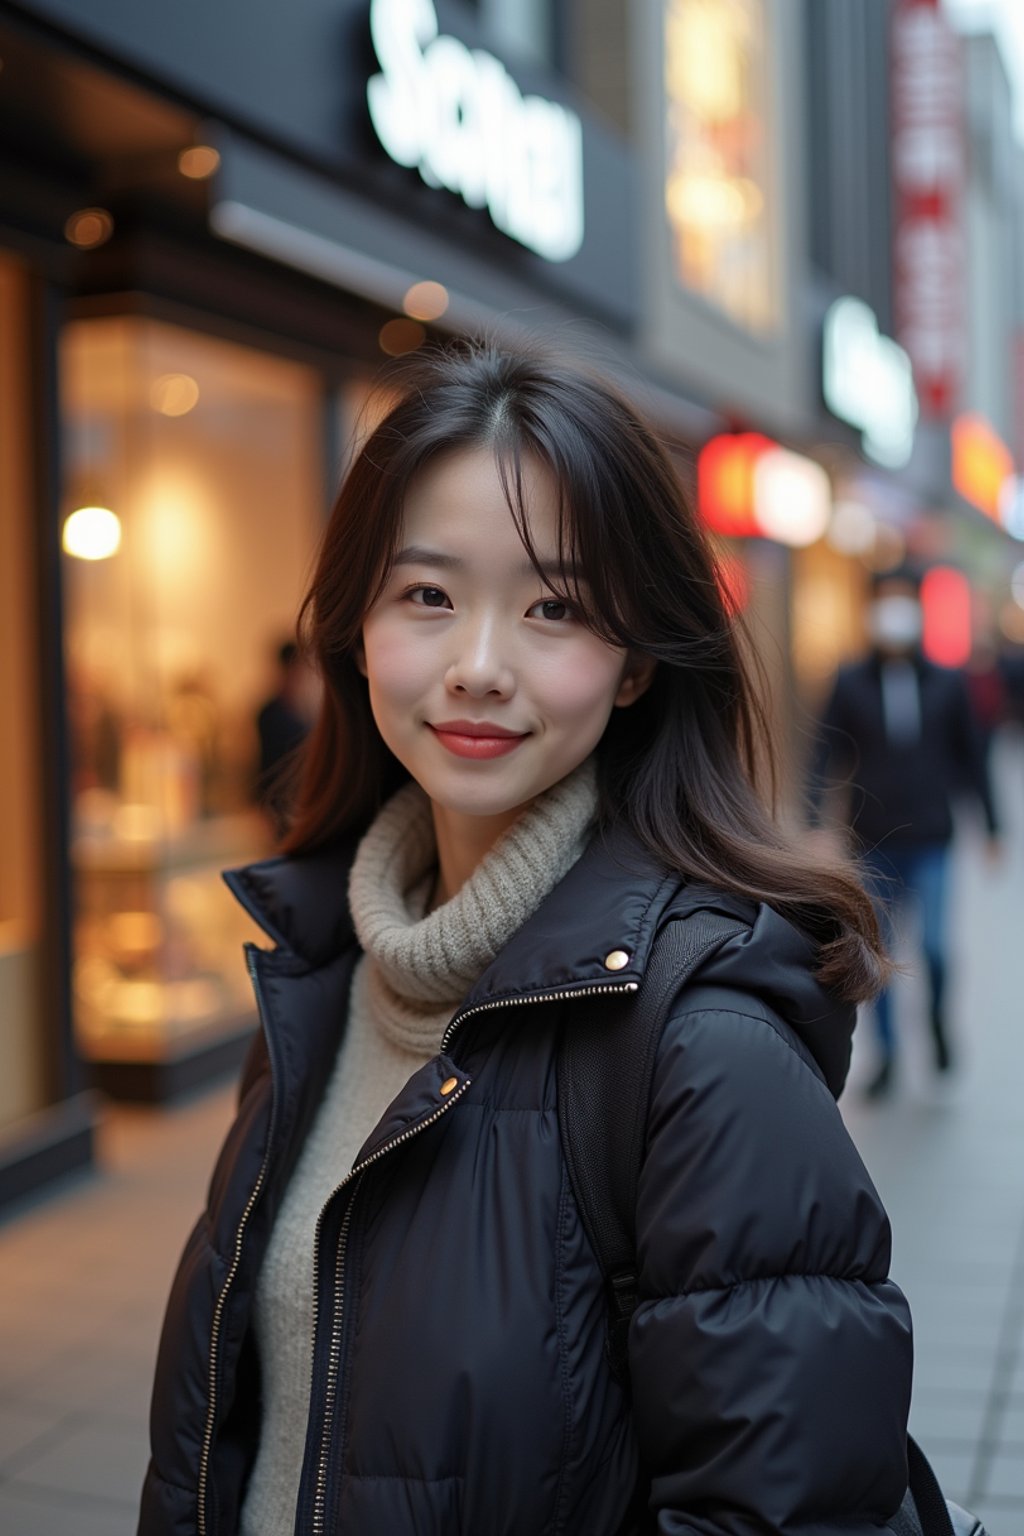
(192, 503)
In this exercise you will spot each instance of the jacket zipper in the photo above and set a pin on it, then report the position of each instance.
(218, 1311)
(334, 1356)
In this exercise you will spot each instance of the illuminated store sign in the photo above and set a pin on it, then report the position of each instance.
(868, 380)
(928, 156)
(456, 115)
(982, 465)
(749, 486)
(946, 611)
(721, 172)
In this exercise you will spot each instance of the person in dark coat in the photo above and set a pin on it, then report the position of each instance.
(537, 748)
(900, 731)
(283, 722)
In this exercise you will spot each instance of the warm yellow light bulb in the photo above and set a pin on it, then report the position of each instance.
(92, 533)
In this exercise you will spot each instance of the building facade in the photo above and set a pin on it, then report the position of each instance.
(214, 223)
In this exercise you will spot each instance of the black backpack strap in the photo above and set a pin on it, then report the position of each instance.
(929, 1500)
(605, 1064)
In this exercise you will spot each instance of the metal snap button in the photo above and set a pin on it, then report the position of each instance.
(616, 960)
(448, 1084)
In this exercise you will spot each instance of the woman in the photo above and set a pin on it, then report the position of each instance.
(537, 733)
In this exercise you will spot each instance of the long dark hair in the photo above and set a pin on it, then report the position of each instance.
(681, 766)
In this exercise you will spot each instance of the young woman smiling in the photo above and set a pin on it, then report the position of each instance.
(537, 749)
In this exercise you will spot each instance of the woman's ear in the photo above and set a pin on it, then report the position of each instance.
(359, 657)
(636, 679)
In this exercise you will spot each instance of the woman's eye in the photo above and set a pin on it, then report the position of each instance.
(428, 597)
(552, 608)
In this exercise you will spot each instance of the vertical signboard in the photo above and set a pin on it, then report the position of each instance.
(721, 177)
(928, 141)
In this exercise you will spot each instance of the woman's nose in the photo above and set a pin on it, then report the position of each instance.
(480, 665)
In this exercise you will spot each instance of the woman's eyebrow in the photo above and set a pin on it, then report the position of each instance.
(419, 554)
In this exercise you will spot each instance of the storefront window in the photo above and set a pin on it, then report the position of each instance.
(827, 618)
(719, 191)
(22, 1069)
(192, 503)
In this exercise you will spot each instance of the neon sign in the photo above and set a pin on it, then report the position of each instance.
(456, 115)
(869, 382)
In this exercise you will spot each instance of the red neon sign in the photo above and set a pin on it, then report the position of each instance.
(946, 610)
(725, 483)
(928, 136)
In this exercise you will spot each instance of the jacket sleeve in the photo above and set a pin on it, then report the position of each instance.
(770, 1354)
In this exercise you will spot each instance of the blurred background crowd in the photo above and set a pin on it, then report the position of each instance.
(793, 231)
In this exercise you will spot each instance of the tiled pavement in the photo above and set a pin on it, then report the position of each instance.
(950, 1167)
(84, 1273)
(84, 1279)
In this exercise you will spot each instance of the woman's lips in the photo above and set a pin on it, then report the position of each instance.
(463, 745)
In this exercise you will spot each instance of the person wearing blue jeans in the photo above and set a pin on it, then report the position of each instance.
(898, 733)
(902, 876)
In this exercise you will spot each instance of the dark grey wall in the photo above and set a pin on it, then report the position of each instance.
(597, 42)
(293, 77)
(849, 197)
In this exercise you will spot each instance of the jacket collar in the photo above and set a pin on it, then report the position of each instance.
(614, 898)
(610, 903)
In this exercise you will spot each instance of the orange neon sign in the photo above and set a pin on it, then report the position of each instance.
(982, 463)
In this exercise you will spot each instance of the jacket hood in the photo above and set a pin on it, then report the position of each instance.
(613, 902)
(775, 960)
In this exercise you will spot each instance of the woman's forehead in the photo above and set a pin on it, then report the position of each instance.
(464, 496)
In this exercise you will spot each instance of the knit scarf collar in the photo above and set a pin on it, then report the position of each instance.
(420, 967)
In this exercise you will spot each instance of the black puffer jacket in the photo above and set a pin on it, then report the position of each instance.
(460, 1379)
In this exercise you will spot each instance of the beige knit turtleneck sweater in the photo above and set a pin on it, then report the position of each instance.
(414, 973)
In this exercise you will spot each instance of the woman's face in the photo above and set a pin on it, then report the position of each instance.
(484, 685)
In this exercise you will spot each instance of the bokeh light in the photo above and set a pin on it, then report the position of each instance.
(198, 162)
(89, 228)
(426, 301)
(399, 336)
(91, 533)
(174, 394)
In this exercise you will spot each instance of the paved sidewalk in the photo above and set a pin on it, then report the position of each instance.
(85, 1278)
(85, 1271)
(949, 1165)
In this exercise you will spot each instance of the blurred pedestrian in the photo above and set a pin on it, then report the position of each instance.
(900, 732)
(282, 723)
(1011, 669)
(534, 758)
(987, 691)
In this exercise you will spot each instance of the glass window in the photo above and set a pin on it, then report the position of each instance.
(22, 1069)
(720, 181)
(193, 500)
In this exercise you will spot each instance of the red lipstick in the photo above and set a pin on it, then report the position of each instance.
(477, 738)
